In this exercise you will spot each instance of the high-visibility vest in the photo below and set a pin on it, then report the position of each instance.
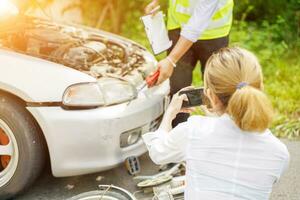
(180, 11)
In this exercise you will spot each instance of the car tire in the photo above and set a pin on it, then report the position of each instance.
(22, 154)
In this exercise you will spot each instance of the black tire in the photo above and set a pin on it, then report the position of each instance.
(30, 145)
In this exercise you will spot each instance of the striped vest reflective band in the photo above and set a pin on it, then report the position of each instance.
(180, 11)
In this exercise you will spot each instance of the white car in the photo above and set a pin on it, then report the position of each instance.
(70, 93)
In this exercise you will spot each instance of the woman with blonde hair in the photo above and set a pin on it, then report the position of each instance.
(232, 155)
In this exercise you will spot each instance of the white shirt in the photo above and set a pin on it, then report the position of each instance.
(223, 162)
(200, 19)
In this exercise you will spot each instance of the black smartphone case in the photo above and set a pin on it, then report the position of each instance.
(194, 97)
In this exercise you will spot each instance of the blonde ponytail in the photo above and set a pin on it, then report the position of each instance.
(250, 109)
(235, 76)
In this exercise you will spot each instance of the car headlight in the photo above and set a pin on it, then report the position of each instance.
(105, 92)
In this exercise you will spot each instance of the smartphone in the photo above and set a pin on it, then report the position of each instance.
(195, 97)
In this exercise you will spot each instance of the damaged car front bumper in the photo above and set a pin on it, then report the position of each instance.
(92, 140)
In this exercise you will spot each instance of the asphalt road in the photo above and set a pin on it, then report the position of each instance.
(49, 188)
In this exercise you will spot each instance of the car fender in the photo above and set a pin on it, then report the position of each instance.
(36, 80)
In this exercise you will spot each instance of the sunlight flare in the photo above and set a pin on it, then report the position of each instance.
(7, 9)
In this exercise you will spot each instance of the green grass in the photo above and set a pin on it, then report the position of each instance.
(281, 68)
(282, 82)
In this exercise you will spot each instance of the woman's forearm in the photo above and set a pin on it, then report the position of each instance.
(181, 47)
(166, 123)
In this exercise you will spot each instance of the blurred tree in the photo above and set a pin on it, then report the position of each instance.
(25, 5)
(111, 15)
(283, 16)
(112, 11)
(104, 14)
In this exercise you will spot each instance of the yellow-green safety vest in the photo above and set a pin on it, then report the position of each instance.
(180, 11)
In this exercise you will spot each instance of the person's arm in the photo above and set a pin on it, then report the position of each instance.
(167, 145)
(152, 5)
(200, 19)
(174, 108)
(190, 33)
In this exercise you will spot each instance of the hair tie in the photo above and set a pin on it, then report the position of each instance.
(241, 85)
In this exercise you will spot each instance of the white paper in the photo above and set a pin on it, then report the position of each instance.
(157, 32)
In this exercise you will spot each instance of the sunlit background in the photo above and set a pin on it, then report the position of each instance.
(271, 29)
(7, 8)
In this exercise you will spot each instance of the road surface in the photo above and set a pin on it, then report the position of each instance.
(50, 188)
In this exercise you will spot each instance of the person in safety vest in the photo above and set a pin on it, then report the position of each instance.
(197, 28)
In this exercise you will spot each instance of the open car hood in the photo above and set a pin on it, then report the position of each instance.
(96, 53)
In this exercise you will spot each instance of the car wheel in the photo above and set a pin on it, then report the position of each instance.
(21, 148)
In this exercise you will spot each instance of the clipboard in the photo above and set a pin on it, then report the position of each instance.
(156, 32)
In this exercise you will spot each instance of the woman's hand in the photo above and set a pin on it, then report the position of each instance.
(151, 6)
(175, 106)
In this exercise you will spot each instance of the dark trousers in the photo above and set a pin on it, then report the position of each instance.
(183, 73)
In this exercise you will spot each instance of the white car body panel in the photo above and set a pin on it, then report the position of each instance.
(79, 141)
(36, 80)
(87, 141)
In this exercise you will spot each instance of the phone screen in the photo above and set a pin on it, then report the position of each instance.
(195, 97)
